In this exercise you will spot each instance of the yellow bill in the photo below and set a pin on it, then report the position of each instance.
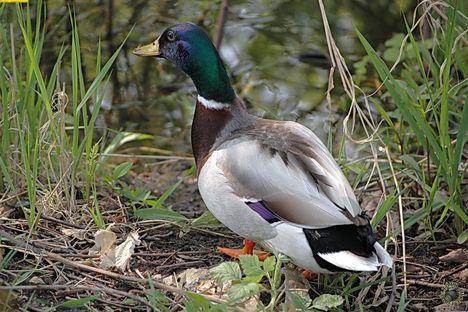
(151, 49)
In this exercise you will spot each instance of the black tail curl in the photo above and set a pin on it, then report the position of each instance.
(359, 240)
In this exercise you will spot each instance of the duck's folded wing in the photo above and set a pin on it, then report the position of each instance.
(284, 165)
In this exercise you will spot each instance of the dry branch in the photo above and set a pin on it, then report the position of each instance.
(220, 22)
(36, 251)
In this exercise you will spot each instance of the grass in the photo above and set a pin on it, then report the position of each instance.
(51, 154)
(46, 147)
(425, 118)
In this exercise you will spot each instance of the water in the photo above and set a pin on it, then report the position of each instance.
(274, 50)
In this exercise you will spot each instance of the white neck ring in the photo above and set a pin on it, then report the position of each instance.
(212, 104)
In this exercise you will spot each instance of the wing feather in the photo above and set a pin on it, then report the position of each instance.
(290, 169)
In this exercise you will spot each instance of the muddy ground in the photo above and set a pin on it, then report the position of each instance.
(168, 249)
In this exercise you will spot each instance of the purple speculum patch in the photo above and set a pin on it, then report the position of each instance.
(260, 208)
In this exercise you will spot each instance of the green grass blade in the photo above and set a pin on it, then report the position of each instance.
(164, 196)
(444, 102)
(462, 137)
(105, 70)
(413, 116)
(384, 208)
(31, 53)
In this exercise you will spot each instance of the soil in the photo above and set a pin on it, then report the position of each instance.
(169, 248)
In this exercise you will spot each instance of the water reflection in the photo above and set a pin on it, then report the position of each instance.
(274, 49)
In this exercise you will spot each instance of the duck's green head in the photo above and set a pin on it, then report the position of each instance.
(189, 48)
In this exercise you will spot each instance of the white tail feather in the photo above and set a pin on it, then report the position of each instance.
(350, 261)
(382, 254)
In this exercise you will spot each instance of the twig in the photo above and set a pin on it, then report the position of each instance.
(156, 157)
(462, 267)
(179, 265)
(402, 219)
(72, 225)
(165, 254)
(74, 265)
(121, 305)
(7, 199)
(429, 284)
(107, 290)
(393, 293)
(418, 265)
(220, 22)
(77, 255)
(423, 283)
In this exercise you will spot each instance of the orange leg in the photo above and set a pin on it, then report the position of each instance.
(248, 249)
(308, 275)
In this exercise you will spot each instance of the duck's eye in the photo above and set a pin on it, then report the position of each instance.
(170, 35)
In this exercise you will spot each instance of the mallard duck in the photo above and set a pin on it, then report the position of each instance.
(271, 182)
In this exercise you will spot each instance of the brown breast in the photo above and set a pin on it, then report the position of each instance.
(206, 127)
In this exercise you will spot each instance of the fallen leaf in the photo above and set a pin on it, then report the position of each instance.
(36, 280)
(120, 255)
(451, 307)
(201, 281)
(420, 307)
(326, 302)
(226, 271)
(76, 233)
(458, 255)
(103, 242)
(462, 275)
(296, 287)
(6, 211)
(243, 291)
(8, 300)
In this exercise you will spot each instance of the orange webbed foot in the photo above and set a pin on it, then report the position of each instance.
(248, 249)
(308, 275)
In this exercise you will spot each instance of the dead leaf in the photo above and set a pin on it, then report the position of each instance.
(193, 279)
(76, 233)
(8, 300)
(119, 256)
(451, 307)
(103, 242)
(371, 201)
(201, 281)
(6, 211)
(462, 275)
(420, 307)
(457, 255)
(294, 282)
(36, 280)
